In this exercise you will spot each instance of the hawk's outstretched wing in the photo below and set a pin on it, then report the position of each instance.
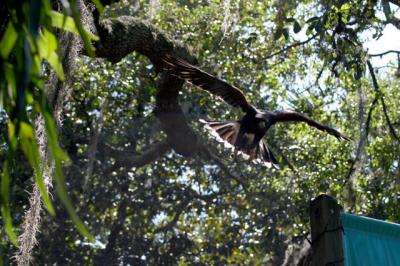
(288, 116)
(185, 71)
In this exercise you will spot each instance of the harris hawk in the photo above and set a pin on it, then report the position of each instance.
(244, 135)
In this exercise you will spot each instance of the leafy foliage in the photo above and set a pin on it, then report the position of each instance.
(27, 42)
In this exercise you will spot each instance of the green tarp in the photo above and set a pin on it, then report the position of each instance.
(370, 242)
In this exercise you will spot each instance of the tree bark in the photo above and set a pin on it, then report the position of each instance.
(124, 35)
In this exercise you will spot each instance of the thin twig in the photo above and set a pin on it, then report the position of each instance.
(179, 210)
(367, 124)
(291, 46)
(391, 128)
(94, 142)
(223, 167)
(384, 53)
(380, 94)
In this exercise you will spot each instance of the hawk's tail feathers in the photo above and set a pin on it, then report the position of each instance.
(265, 156)
(227, 132)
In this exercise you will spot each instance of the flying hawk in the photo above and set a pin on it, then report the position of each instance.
(244, 135)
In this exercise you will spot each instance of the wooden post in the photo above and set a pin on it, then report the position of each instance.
(326, 232)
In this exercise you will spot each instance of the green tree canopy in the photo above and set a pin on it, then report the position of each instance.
(149, 183)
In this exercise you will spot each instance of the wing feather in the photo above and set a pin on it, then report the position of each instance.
(183, 70)
(288, 116)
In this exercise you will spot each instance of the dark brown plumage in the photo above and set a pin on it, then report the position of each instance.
(245, 135)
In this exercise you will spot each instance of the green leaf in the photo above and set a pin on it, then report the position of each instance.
(64, 22)
(312, 19)
(345, 8)
(7, 43)
(386, 10)
(296, 27)
(359, 72)
(55, 63)
(26, 131)
(98, 5)
(319, 26)
(286, 33)
(67, 23)
(52, 43)
(74, 25)
(12, 138)
(5, 199)
(36, 69)
(278, 33)
(47, 45)
(290, 20)
(310, 29)
(5, 212)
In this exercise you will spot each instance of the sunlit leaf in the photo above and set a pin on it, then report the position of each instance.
(345, 7)
(98, 5)
(63, 21)
(54, 61)
(48, 45)
(5, 199)
(8, 41)
(67, 23)
(12, 137)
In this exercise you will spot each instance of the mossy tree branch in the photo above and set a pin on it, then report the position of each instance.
(124, 35)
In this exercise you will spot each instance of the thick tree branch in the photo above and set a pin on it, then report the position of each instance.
(123, 35)
(179, 134)
(127, 160)
(395, 2)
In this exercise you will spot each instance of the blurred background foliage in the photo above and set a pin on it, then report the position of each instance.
(306, 56)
